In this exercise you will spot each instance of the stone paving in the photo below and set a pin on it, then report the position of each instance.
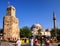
(7, 44)
(13, 44)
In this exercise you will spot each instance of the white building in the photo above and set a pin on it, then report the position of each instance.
(37, 27)
(46, 33)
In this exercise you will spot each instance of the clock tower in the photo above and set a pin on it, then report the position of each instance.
(10, 25)
(11, 11)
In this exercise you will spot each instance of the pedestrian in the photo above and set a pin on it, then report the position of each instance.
(31, 41)
(36, 42)
(18, 43)
(58, 44)
(41, 40)
(0, 40)
(47, 44)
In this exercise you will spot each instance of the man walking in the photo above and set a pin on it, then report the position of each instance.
(18, 43)
(31, 41)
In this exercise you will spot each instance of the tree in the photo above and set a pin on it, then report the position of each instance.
(39, 32)
(25, 32)
(53, 32)
(58, 32)
(1, 30)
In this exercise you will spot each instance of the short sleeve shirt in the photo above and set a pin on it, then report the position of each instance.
(18, 43)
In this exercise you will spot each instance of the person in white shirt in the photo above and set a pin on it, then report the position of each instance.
(31, 41)
(18, 43)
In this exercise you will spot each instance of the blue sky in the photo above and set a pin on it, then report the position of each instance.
(30, 12)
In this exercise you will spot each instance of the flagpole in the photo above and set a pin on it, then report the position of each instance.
(8, 3)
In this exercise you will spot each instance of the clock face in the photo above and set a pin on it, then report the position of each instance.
(8, 12)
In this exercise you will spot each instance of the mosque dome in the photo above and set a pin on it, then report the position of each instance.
(36, 26)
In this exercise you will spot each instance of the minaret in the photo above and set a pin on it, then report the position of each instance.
(10, 25)
(54, 22)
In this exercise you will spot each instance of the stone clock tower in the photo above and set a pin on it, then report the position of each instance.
(10, 25)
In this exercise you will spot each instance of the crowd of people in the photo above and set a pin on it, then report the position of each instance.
(34, 41)
(43, 40)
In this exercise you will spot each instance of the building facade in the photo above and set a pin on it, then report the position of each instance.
(36, 27)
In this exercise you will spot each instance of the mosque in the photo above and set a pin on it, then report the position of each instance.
(36, 27)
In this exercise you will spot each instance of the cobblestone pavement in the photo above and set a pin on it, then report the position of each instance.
(54, 44)
(13, 44)
(7, 44)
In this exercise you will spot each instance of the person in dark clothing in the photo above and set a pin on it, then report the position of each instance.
(58, 44)
(41, 39)
(45, 42)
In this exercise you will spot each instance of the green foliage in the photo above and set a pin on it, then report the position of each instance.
(25, 32)
(58, 32)
(53, 32)
(39, 32)
(1, 30)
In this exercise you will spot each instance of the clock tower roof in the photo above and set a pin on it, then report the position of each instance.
(11, 11)
(11, 7)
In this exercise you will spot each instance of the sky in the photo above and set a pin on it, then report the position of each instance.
(30, 12)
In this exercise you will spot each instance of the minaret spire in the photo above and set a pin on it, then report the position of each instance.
(54, 16)
(54, 22)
